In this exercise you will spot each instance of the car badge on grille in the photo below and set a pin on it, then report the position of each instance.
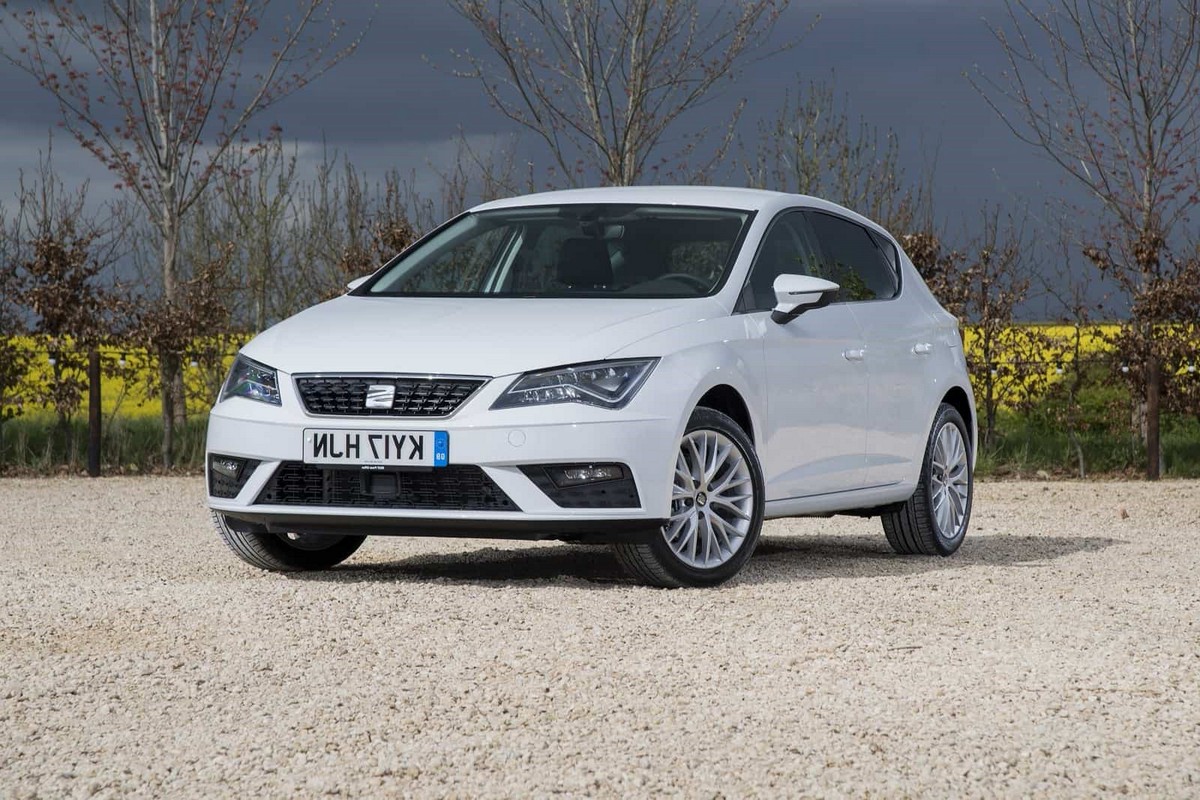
(380, 395)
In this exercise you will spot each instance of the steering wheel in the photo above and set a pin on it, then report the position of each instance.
(698, 283)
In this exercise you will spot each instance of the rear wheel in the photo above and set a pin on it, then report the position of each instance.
(285, 552)
(934, 520)
(716, 509)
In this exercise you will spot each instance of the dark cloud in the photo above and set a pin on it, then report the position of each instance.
(900, 63)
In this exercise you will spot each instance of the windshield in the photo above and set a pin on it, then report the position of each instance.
(595, 250)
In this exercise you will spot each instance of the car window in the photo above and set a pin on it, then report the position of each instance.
(466, 264)
(851, 258)
(787, 249)
(594, 250)
(536, 267)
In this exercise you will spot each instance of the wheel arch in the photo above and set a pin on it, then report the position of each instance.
(729, 401)
(961, 401)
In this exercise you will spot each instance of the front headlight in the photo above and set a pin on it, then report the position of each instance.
(252, 380)
(608, 384)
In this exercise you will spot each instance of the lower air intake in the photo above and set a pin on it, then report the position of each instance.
(458, 487)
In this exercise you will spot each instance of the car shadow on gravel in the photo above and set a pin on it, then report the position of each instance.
(814, 557)
(592, 564)
(778, 558)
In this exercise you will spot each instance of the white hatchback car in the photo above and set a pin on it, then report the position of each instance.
(660, 369)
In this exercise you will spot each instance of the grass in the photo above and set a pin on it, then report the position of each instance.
(130, 445)
(1024, 448)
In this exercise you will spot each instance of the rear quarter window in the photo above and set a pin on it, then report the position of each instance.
(851, 258)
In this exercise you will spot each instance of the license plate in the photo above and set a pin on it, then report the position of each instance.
(376, 448)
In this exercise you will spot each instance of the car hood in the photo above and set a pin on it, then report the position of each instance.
(465, 336)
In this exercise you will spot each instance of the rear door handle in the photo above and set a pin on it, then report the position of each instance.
(854, 355)
(922, 349)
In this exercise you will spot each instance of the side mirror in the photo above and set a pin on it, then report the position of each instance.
(357, 282)
(795, 294)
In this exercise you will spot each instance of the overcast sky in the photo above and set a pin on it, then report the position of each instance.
(901, 63)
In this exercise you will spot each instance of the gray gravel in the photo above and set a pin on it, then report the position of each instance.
(1057, 654)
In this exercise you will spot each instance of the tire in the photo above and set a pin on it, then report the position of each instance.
(738, 519)
(285, 552)
(917, 527)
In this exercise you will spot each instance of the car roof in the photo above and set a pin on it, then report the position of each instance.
(724, 197)
(705, 196)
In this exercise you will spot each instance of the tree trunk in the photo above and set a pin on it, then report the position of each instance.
(168, 363)
(989, 403)
(168, 408)
(94, 416)
(179, 393)
(1153, 388)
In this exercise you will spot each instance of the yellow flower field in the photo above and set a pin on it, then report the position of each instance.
(129, 378)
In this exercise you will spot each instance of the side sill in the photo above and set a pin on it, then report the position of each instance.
(852, 501)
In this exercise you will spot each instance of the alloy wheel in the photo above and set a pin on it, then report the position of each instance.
(949, 480)
(712, 500)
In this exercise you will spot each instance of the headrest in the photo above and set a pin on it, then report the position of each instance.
(584, 263)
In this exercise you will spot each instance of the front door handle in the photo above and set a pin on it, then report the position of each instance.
(854, 355)
(922, 349)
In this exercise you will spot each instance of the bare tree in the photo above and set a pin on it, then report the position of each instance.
(600, 82)
(812, 146)
(289, 240)
(984, 285)
(65, 252)
(1007, 361)
(155, 90)
(1071, 297)
(201, 314)
(1164, 321)
(353, 224)
(1110, 91)
(14, 359)
(476, 176)
(252, 217)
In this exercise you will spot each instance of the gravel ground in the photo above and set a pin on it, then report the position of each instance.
(1057, 654)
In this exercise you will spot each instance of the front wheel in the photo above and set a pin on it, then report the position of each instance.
(716, 509)
(934, 520)
(285, 552)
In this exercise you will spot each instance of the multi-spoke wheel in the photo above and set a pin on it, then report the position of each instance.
(716, 509)
(285, 552)
(712, 502)
(934, 520)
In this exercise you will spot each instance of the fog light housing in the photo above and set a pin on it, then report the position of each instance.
(585, 485)
(228, 474)
(580, 474)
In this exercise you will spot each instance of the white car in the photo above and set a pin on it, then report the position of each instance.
(659, 369)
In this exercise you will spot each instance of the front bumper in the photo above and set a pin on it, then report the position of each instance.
(500, 443)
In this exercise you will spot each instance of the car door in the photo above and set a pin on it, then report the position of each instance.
(896, 342)
(816, 382)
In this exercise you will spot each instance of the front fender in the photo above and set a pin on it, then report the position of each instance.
(723, 351)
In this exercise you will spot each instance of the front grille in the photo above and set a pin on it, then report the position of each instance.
(346, 395)
(458, 487)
